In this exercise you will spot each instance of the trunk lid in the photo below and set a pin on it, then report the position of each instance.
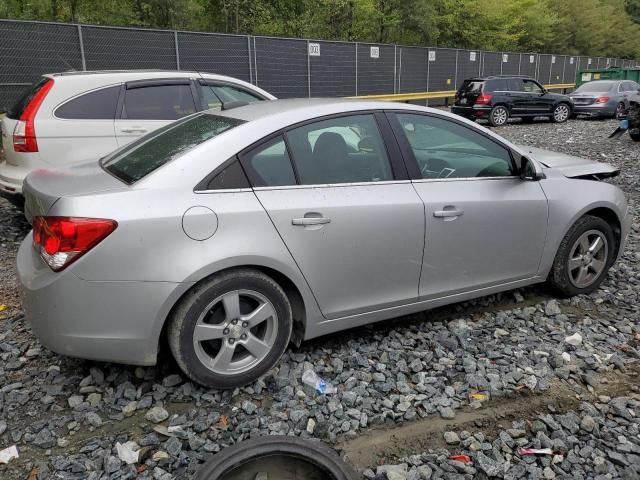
(584, 99)
(570, 166)
(42, 188)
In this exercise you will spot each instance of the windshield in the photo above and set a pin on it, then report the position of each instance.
(595, 87)
(143, 156)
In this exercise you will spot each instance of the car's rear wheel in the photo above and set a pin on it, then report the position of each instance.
(498, 116)
(635, 136)
(584, 257)
(230, 329)
(561, 113)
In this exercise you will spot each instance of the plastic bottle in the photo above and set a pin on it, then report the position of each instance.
(311, 378)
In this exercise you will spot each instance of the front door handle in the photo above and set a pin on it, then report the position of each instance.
(448, 213)
(134, 130)
(310, 221)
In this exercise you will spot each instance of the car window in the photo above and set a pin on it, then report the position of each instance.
(446, 149)
(530, 86)
(514, 84)
(340, 150)
(633, 87)
(595, 87)
(158, 102)
(214, 95)
(231, 177)
(471, 86)
(629, 86)
(269, 165)
(146, 154)
(496, 85)
(97, 105)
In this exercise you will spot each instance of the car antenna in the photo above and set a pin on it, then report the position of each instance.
(233, 104)
(71, 69)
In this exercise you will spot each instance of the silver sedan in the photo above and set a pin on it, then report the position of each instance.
(603, 98)
(234, 233)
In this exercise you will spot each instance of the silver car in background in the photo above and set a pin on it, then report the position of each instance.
(233, 233)
(603, 98)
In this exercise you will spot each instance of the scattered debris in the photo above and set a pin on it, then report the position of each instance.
(8, 454)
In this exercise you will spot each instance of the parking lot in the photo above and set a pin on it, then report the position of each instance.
(480, 379)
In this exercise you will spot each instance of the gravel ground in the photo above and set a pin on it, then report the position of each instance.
(480, 379)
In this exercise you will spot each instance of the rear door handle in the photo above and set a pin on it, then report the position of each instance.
(448, 213)
(310, 221)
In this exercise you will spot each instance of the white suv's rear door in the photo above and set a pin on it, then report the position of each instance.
(79, 129)
(147, 105)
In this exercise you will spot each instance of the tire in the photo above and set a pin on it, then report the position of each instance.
(247, 459)
(244, 322)
(561, 113)
(635, 137)
(498, 116)
(565, 275)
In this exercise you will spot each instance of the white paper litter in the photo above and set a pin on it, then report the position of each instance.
(8, 454)
(575, 339)
(126, 453)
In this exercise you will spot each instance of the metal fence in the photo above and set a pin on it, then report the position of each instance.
(283, 66)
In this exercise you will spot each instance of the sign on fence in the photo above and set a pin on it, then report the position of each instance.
(375, 52)
(432, 55)
(314, 49)
(532, 59)
(505, 58)
(472, 56)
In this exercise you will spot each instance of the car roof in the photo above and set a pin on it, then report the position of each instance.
(495, 77)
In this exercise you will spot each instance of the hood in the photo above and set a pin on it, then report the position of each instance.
(570, 166)
(43, 187)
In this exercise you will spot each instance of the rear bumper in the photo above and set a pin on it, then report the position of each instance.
(595, 110)
(11, 178)
(105, 321)
(476, 111)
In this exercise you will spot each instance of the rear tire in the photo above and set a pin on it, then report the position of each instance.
(561, 113)
(230, 329)
(583, 258)
(498, 116)
(635, 137)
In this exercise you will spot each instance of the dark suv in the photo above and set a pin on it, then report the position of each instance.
(497, 98)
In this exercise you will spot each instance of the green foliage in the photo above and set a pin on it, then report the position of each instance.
(592, 27)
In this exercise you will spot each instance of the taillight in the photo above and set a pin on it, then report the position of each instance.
(484, 99)
(602, 99)
(24, 134)
(62, 240)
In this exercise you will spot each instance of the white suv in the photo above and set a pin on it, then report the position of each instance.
(70, 117)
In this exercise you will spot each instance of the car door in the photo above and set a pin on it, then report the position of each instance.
(345, 210)
(484, 225)
(535, 99)
(147, 105)
(81, 128)
(520, 100)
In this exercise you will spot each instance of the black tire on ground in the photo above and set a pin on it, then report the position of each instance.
(184, 317)
(559, 276)
(635, 136)
(565, 107)
(280, 457)
(498, 116)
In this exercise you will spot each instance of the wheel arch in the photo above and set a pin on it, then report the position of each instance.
(611, 217)
(293, 290)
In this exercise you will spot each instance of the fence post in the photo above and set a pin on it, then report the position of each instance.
(395, 66)
(84, 62)
(520, 64)
(308, 71)
(564, 69)
(400, 72)
(255, 61)
(455, 75)
(175, 42)
(356, 68)
(249, 58)
(428, 67)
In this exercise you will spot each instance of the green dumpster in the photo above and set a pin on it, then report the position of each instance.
(611, 73)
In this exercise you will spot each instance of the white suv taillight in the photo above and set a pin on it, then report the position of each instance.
(24, 133)
(62, 240)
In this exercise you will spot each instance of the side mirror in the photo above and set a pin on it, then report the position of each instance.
(528, 170)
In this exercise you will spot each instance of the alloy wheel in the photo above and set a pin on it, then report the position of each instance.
(588, 258)
(500, 116)
(235, 332)
(561, 113)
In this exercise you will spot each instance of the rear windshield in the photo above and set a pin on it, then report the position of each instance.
(471, 86)
(16, 110)
(596, 87)
(143, 156)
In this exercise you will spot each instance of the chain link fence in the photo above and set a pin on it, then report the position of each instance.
(283, 66)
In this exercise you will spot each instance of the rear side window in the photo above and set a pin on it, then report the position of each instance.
(514, 84)
(141, 157)
(214, 96)
(97, 105)
(269, 165)
(24, 100)
(158, 102)
(497, 85)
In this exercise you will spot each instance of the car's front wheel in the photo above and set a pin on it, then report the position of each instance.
(561, 113)
(230, 329)
(498, 116)
(584, 257)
